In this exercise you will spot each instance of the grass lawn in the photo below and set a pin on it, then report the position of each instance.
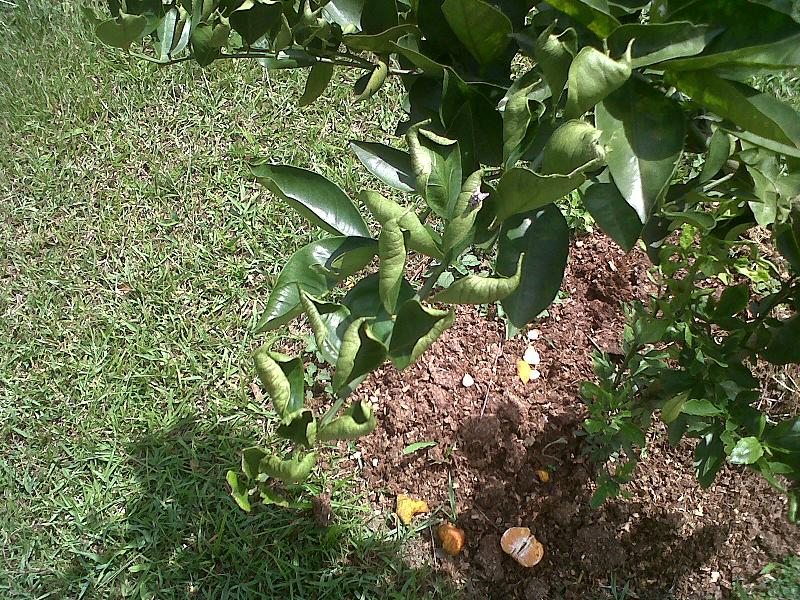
(135, 255)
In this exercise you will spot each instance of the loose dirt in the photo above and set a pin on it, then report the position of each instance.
(668, 539)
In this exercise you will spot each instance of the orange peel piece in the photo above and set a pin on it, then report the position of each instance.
(524, 371)
(408, 507)
(519, 543)
(451, 537)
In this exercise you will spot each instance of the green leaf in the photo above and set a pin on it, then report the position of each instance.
(783, 347)
(122, 31)
(592, 77)
(255, 18)
(316, 269)
(300, 429)
(644, 133)
(732, 301)
(708, 458)
(483, 29)
(787, 239)
(361, 353)
(357, 421)
(384, 210)
(378, 42)
(572, 146)
(416, 328)
(295, 470)
(595, 14)
(282, 377)
(346, 13)
(464, 213)
(166, 32)
(392, 254)
(542, 238)
(238, 491)
(657, 42)
(318, 78)
(207, 41)
(785, 436)
(368, 85)
(700, 408)
(417, 446)
(517, 116)
(436, 163)
(391, 165)
(554, 53)
(474, 289)
(761, 117)
(313, 196)
(251, 457)
(521, 190)
(747, 451)
(719, 150)
(672, 408)
(325, 319)
(364, 300)
(614, 216)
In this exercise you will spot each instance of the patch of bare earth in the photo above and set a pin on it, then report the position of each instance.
(670, 538)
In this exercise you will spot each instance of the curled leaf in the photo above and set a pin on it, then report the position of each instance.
(384, 210)
(357, 421)
(408, 507)
(474, 289)
(294, 470)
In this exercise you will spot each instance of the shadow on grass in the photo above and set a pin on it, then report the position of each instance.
(185, 538)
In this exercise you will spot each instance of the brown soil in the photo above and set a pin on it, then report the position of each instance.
(669, 539)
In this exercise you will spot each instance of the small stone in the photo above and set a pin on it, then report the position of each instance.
(535, 374)
(374, 462)
(531, 356)
(467, 381)
(534, 334)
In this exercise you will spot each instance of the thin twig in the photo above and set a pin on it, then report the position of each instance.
(491, 381)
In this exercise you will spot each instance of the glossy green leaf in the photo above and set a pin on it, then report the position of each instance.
(614, 216)
(326, 319)
(644, 133)
(747, 451)
(368, 85)
(483, 29)
(346, 13)
(316, 268)
(719, 150)
(300, 429)
(783, 347)
(392, 254)
(384, 210)
(657, 42)
(785, 436)
(166, 32)
(555, 53)
(572, 146)
(709, 457)
(313, 196)
(239, 491)
(357, 421)
(361, 353)
(318, 78)
(416, 328)
(700, 408)
(542, 238)
(521, 190)
(592, 77)
(760, 116)
(122, 31)
(595, 14)
(255, 18)
(474, 289)
(207, 42)
(378, 42)
(437, 169)
(466, 210)
(294, 470)
(282, 377)
(391, 165)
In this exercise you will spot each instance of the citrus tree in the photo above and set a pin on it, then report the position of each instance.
(645, 110)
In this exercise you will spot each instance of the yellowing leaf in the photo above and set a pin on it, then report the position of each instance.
(407, 507)
(523, 371)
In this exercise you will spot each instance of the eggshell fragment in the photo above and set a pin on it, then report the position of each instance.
(407, 507)
(451, 537)
(519, 543)
(531, 356)
(467, 381)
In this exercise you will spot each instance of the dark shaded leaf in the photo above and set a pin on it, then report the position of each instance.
(482, 28)
(391, 165)
(614, 216)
